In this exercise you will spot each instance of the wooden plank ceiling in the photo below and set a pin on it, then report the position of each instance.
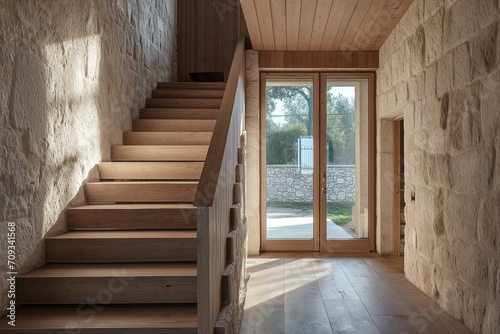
(321, 25)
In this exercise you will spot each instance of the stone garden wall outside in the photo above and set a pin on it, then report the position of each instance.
(290, 184)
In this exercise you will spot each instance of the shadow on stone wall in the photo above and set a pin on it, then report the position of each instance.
(73, 74)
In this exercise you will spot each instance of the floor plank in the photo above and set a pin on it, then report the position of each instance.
(304, 308)
(332, 281)
(346, 293)
(265, 305)
(350, 317)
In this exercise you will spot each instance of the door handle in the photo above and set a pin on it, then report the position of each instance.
(323, 190)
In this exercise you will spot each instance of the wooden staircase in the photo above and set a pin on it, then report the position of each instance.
(128, 262)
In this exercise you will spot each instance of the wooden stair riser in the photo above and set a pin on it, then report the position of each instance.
(167, 138)
(150, 170)
(188, 93)
(183, 114)
(131, 219)
(121, 250)
(159, 153)
(191, 85)
(183, 103)
(106, 290)
(166, 125)
(141, 192)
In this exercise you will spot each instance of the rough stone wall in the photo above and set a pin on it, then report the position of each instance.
(289, 184)
(235, 272)
(252, 119)
(73, 73)
(441, 68)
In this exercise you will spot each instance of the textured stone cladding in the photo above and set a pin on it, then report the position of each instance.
(441, 68)
(73, 74)
(290, 184)
(252, 119)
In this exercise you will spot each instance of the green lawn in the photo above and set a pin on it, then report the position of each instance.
(340, 213)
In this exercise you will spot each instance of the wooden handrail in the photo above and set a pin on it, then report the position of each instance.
(212, 168)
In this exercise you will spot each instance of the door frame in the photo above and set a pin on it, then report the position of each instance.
(350, 245)
(288, 244)
(319, 243)
(397, 185)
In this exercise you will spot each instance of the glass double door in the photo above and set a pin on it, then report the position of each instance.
(316, 166)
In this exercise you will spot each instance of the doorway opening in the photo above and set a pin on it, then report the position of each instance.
(317, 162)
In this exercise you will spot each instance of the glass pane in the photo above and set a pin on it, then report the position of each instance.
(289, 158)
(347, 158)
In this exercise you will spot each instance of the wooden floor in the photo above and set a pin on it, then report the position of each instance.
(346, 294)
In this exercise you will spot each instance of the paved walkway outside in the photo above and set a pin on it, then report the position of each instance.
(296, 224)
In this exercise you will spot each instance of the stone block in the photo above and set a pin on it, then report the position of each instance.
(437, 141)
(381, 104)
(409, 116)
(417, 50)
(433, 37)
(431, 7)
(463, 19)
(491, 322)
(411, 20)
(425, 206)
(483, 51)
(451, 292)
(431, 113)
(385, 142)
(488, 227)
(252, 66)
(392, 101)
(474, 309)
(421, 139)
(471, 171)
(413, 89)
(438, 169)
(444, 255)
(444, 80)
(460, 216)
(472, 264)
(496, 167)
(497, 290)
(462, 65)
(454, 120)
(472, 117)
(402, 94)
(498, 41)
(431, 80)
(425, 247)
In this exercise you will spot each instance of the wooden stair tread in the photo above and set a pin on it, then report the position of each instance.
(125, 235)
(176, 113)
(159, 152)
(176, 125)
(150, 170)
(167, 138)
(192, 85)
(112, 270)
(123, 319)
